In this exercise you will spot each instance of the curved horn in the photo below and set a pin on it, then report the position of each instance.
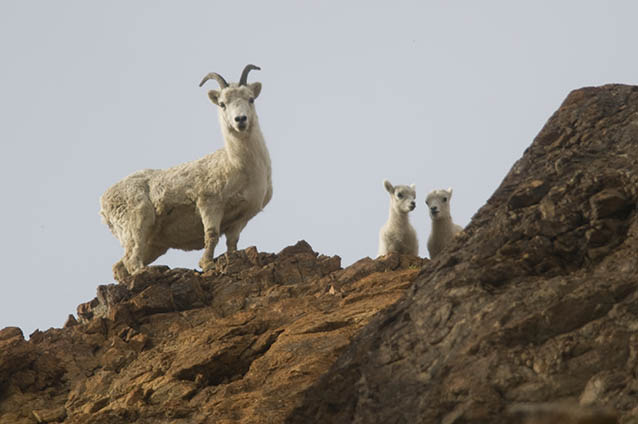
(244, 74)
(214, 75)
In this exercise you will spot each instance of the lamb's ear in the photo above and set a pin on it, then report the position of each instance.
(389, 188)
(213, 95)
(449, 192)
(255, 87)
(413, 187)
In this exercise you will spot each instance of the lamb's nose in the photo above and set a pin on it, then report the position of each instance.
(412, 205)
(434, 209)
(241, 118)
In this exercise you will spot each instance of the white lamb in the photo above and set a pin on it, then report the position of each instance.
(398, 235)
(443, 229)
(191, 205)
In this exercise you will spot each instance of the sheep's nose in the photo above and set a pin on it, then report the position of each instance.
(412, 205)
(241, 118)
(434, 209)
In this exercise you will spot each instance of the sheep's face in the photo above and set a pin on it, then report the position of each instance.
(402, 197)
(438, 202)
(236, 105)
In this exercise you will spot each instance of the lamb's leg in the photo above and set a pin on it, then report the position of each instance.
(211, 218)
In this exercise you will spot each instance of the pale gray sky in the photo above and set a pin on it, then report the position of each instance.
(436, 93)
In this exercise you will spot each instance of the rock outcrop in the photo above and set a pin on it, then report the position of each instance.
(536, 302)
(237, 344)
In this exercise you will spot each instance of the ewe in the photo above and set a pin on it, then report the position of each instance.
(443, 229)
(398, 235)
(191, 205)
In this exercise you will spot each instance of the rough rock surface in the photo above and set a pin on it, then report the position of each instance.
(237, 344)
(536, 302)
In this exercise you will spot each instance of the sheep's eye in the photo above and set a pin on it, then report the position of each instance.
(222, 105)
(400, 195)
(251, 100)
(445, 199)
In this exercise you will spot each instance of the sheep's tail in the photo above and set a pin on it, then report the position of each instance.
(106, 220)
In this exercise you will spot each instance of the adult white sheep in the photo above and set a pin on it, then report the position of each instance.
(398, 235)
(443, 229)
(191, 205)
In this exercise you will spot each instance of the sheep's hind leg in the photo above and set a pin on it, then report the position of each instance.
(138, 249)
(120, 273)
(211, 238)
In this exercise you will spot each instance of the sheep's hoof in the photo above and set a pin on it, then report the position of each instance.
(206, 264)
(120, 273)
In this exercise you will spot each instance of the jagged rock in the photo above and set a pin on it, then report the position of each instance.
(536, 301)
(50, 415)
(239, 343)
(70, 321)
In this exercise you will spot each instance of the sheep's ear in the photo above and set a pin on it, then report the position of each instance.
(255, 87)
(389, 188)
(213, 95)
(413, 187)
(449, 192)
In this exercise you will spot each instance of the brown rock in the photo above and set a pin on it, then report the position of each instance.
(174, 344)
(70, 321)
(528, 194)
(50, 415)
(154, 299)
(562, 413)
(9, 333)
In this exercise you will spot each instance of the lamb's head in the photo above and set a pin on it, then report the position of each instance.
(402, 197)
(235, 100)
(438, 202)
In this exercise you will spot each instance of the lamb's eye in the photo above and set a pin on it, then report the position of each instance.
(445, 199)
(251, 100)
(400, 195)
(222, 105)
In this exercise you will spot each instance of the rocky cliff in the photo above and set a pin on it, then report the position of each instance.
(530, 316)
(536, 302)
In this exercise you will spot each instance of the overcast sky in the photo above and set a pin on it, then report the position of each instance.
(436, 93)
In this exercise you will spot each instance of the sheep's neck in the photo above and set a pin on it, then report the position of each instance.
(442, 227)
(400, 219)
(247, 150)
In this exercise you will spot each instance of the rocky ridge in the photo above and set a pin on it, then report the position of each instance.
(237, 344)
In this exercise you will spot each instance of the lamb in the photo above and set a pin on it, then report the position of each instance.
(398, 235)
(191, 205)
(443, 229)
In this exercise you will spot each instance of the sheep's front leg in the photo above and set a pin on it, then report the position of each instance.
(232, 236)
(211, 218)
